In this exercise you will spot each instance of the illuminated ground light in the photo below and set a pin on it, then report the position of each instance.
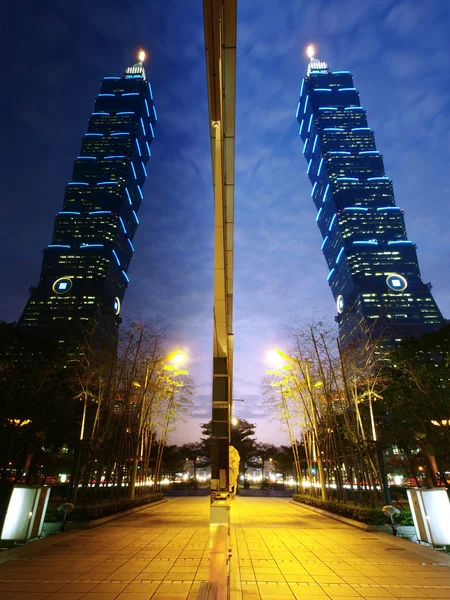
(443, 423)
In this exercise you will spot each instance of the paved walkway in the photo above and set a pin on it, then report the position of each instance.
(280, 551)
(160, 553)
(284, 552)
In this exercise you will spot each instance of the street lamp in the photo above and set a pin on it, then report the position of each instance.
(234, 420)
(277, 358)
(177, 357)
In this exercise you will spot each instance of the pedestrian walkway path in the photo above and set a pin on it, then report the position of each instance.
(279, 551)
(160, 553)
(285, 552)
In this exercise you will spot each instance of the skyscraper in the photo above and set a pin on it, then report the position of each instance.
(84, 270)
(373, 269)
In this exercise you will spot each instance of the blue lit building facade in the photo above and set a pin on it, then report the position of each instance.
(373, 270)
(84, 270)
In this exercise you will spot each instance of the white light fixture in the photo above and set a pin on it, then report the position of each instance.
(431, 515)
(26, 511)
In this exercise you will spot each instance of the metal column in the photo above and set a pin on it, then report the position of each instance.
(220, 51)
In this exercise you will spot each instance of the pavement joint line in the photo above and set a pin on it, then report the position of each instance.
(348, 585)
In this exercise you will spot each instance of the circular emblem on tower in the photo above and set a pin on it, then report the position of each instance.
(340, 304)
(396, 282)
(116, 305)
(62, 285)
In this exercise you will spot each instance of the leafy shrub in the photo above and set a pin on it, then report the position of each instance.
(405, 518)
(97, 511)
(371, 516)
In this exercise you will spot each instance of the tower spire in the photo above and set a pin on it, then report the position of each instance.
(138, 68)
(314, 63)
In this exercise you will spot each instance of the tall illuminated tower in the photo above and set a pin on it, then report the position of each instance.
(373, 269)
(84, 270)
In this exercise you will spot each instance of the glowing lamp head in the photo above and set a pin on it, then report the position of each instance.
(275, 359)
(310, 51)
(141, 56)
(178, 357)
(234, 421)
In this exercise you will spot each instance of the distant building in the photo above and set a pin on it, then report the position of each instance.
(373, 268)
(84, 270)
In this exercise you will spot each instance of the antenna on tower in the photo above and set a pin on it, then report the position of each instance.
(137, 70)
(314, 63)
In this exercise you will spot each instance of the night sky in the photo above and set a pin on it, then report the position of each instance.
(55, 55)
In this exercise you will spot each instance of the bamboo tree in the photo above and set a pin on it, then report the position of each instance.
(283, 411)
(332, 394)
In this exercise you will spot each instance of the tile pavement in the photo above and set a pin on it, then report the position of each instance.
(279, 550)
(160, 553)
(285, 552)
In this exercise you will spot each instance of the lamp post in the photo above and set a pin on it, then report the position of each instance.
(234, 419)
(234, 422)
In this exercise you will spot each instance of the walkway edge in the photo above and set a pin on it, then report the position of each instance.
(346, 520)
(15, 551)
(432, 556)
(115, 516)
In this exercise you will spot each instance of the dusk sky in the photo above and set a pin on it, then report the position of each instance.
(55, 56)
